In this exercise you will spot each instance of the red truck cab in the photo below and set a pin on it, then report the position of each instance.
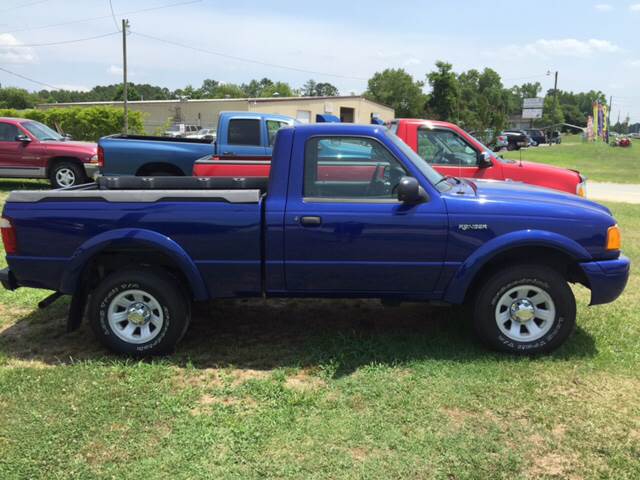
(452, 151)
(445, 146)
(30, 149)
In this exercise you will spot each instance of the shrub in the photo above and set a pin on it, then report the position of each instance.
(88, 123)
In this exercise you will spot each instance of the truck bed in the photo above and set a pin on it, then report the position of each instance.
(152, 138)
(215, 223)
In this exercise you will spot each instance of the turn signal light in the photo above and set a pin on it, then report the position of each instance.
(614, 239)
(8, 237)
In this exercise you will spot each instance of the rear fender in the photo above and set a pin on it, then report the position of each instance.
(132, 237)
(466, 273)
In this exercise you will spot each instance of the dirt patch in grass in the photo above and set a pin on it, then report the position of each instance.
(458, 417)
(359, 454)
(207, 402)
(245, 375)
(209, 377)
(303, 382)
(551, 464)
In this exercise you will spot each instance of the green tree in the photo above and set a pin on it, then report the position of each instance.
(323, 89)
(132, 93)
(397, 89)
(445, 91)
(17, 98)
(278, 89)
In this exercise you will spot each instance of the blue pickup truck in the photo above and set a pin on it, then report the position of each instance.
(383, 225)
(239, 134)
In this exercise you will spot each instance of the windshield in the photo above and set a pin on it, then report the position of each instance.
(484, 147)
(174, 128)
(41, 131)
(431, 175)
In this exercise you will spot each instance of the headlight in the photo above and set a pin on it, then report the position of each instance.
(581, 188)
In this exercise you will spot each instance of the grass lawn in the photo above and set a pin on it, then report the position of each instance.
(598, 161)
(322, 389)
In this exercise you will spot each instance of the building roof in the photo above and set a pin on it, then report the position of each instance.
(216, 100)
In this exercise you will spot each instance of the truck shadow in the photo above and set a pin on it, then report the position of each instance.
(264, 335)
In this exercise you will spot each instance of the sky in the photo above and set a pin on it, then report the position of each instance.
(593, 45)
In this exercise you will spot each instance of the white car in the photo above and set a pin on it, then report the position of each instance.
(178, 130)
(204, 133)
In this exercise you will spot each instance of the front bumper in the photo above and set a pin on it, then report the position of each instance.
(7, 279)
(91, 169)
(607, 278)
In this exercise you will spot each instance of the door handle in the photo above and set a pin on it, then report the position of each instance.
(311, 221)
(229, 154)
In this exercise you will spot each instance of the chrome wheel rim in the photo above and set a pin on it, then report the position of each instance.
(525, 313)
(65, 177)
(135, 316)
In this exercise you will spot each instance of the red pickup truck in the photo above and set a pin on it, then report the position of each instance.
(30, 149)
(447, 147)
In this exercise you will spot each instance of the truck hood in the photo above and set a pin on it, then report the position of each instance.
(508, 198)
(89, 148)
(518, 170)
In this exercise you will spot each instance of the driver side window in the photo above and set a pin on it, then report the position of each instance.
(350, 168)
(444, 147)
(8, 132)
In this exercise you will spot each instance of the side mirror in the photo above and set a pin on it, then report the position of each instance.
(23, 138)
(484, 159)
(410, 191)
(208, 138)
(66, 136)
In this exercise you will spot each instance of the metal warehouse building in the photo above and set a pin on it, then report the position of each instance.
(204, 112)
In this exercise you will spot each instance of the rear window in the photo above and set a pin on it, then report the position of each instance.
(244, 132)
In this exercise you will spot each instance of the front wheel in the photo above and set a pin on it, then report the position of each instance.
(139, 312)
(525, 310)
(67, 174)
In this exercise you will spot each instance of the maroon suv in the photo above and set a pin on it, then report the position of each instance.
(29, 149)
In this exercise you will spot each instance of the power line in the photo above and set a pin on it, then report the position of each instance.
(113, 15)
(102, 17)
(63, 42)
(28, 79)
(28, 4)
(247, 60)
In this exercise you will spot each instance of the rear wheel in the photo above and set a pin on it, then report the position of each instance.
(139, 312)
(526, 309)
(67, 174)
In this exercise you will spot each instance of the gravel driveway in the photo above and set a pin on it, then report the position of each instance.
(614, 192)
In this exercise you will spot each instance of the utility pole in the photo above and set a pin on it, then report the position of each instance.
(555, 93)
(609, 116)
(125, 92)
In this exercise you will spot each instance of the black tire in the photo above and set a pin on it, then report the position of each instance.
(495, 289)
(161, 289)
(67, 170)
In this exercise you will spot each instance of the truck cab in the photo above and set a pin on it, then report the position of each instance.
(452, 151)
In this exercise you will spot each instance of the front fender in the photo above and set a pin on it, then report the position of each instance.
(461, 280)
(132, 237)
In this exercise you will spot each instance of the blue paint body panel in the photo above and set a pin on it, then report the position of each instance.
(430, 251)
